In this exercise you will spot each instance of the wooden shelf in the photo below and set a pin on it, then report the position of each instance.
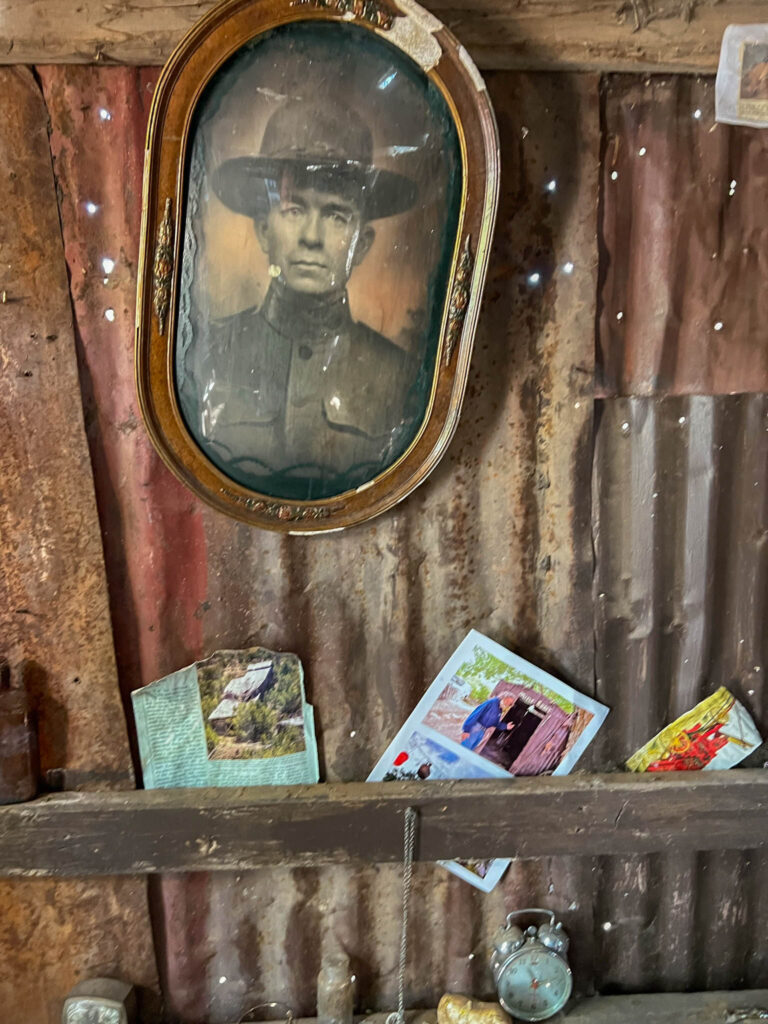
(669, 1008)
(169, 830)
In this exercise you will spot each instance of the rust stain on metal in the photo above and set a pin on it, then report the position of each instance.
(684, 231)
(499, 538)
(56, 933)
(150, 524)
(681, 581)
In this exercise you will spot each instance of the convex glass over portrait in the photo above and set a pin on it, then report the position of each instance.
(323, 196)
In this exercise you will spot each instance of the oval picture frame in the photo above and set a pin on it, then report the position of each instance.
(237, 404)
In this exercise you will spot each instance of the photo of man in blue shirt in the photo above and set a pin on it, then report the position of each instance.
(487, 715)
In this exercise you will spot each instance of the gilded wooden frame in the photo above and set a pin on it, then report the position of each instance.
(201, 53)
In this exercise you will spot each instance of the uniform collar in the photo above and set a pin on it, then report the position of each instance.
(303, 317)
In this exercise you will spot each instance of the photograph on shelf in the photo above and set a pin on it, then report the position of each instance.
(423, 755)
(491, 714)
(509, 712)
(252, 704)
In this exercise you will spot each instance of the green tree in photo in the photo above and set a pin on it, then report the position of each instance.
(253, 721)
(479, 693)
(486, 670)
(285, 696)
(208, 705)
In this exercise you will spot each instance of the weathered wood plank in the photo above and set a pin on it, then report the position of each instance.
(234, 829)
(54, 619)
(55, 627)
(671, 35)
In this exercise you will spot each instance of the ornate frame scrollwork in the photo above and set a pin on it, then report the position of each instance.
(432, 52)
(162, 269)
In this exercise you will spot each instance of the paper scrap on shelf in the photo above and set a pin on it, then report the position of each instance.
(490, 714)
(239, 718)
(716, 734)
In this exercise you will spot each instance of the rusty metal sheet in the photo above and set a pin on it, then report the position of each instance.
(681, 584)
(151, 525)
(682, 571)
(54, 616)
(684, 243)
(498, 538)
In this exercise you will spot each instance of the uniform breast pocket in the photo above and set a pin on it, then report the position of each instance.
(230, 407)
(241, 422)
(361, 415)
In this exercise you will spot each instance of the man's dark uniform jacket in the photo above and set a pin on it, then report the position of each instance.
(297, 400)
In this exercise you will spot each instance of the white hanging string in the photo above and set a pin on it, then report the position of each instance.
(409, 843)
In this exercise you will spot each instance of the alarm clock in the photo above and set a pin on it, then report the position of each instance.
(100, 1001)
(530, 967)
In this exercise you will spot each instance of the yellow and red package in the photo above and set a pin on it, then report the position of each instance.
(718, 733)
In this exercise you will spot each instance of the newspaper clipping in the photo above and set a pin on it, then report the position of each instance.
(239, 718)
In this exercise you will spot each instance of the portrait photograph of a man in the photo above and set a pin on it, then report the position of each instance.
(323, 191)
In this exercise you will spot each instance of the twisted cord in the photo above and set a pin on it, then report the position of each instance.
(409, 844)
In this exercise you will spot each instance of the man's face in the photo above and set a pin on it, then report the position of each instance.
(315, 238)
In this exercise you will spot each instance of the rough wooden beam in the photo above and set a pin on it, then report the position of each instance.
(235, 829)
(603, 35)
(54, 617)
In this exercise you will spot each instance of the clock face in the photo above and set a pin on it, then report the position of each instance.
(534, 983)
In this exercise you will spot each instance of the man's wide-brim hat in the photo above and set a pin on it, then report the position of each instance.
(325, 145)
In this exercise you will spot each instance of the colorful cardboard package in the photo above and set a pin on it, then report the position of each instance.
(716, 734)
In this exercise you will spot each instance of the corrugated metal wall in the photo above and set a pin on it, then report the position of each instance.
(684, 225)
(680, 588)
(680, 502)
(500, 537)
